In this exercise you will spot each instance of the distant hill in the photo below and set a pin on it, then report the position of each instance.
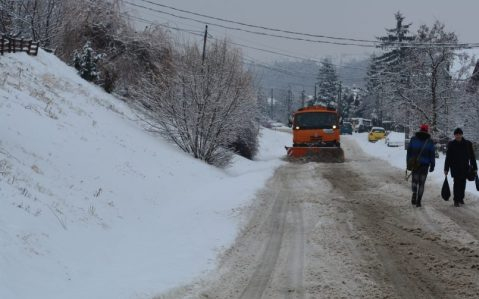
(301, 75)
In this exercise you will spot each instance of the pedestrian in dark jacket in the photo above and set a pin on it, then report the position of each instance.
(420, 149)
(459, 158)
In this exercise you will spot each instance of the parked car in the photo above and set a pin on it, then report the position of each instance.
(376, 133)
(395, 139)
(346, 128)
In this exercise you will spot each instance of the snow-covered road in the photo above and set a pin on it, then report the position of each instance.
(347, 231)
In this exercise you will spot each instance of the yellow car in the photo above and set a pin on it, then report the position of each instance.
(376, 134)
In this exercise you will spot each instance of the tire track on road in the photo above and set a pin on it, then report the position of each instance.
(275, 225)
(347, 231)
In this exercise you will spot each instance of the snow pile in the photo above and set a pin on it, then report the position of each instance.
(94, 207)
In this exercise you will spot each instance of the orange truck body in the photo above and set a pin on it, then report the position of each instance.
(314, 129)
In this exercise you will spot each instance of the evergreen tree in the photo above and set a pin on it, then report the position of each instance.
(391, 63)
(328, 84)
(373, 76)
(388, 73)
(394, 43)
(86, 63)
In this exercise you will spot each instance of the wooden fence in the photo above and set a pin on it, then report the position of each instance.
(13, 45)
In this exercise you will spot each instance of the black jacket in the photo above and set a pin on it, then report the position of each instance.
(459, 156)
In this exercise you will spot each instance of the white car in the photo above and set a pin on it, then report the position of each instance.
(395, 139)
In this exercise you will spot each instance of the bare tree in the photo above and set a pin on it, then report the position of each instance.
(464, 109)
(36, 19)
(7, 7)
(207, 105)
(428, 92)
(207, 108)
(421, 88)
(98, 22)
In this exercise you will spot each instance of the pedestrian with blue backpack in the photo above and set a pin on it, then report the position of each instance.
(421, 158)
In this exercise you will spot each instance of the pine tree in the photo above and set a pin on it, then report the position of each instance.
(387, 74)
(396, 38)
(86, 63)
(328, 84)
(395, 46)
(396, 54)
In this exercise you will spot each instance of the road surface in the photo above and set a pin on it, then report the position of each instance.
(348, 231)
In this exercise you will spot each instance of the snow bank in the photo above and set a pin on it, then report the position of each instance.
(94, 207)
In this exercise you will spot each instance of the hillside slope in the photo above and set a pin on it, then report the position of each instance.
(92, 206)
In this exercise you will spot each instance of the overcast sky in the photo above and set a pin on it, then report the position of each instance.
(354, 19)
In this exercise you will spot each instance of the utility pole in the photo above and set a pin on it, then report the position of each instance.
(272, 104)
(340, 101)
(315, 94)
(302, 99)
(204, 45)
(290, 100)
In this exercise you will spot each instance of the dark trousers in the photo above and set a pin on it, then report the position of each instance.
(459, 188)
(418, 180)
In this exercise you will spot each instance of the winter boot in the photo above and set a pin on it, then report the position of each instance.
(418, 202)
(456, 203)
(461, 201)
(413, 199)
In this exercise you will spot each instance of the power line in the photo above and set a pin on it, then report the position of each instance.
(193, 32)
(251, 61)
(199, 33)
(276, 69)
(250, 31)
(374, 43)
(167, 20)
(258, 27)
(293, 56)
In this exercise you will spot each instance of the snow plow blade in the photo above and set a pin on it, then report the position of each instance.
(315, 154)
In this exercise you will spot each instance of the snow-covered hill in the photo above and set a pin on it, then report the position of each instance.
(92, 206)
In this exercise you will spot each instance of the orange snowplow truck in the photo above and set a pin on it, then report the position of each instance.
(316, 135)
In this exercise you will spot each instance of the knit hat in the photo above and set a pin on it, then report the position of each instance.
(458, 131)
(424, 128)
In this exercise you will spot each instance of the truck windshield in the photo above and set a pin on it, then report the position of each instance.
(315, 120)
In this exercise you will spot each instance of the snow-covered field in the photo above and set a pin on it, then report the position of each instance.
(92, 206)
